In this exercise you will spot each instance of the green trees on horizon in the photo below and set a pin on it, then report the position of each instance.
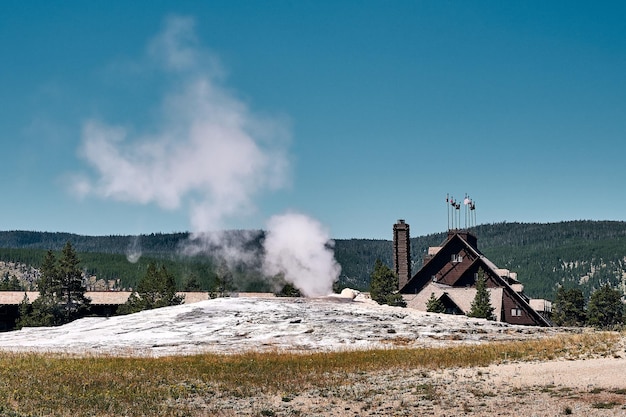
(543, 255)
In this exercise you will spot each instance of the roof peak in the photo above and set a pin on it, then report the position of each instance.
(466, 235)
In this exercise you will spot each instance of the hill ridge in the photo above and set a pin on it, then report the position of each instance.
(585, 253)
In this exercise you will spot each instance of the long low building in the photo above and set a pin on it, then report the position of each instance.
(103, 303)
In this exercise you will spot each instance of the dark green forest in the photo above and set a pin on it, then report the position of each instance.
(575, 253)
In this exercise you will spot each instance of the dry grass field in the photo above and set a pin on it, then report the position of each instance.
(308, 357)
(569, 374)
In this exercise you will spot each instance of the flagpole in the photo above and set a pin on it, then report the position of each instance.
(448, 209)
(465, 209)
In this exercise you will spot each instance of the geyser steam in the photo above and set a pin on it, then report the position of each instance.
(300, 248)
(210, 155)
(133, 251)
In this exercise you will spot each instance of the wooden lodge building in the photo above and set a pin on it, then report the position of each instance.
(450, 271)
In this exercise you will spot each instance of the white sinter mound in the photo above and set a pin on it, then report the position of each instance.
(233, 325)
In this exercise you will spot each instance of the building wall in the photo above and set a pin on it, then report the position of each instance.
(524, 317)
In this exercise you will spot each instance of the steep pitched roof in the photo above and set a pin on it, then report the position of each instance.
(437, 269)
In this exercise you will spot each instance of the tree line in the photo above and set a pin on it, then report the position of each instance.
(545, 256)
(62, 288)
(603, 309)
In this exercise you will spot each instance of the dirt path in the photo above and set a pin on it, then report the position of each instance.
(586, 387)
(608, 373)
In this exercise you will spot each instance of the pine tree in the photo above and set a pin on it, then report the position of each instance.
(568, 308)
(69, 288)
(24, 311)
(167, 287)
(606, 308)
(49, 274)
(44, 311)
(157, 288)
(384, 286)
(61, 292)
(481, 306)
(435, 305)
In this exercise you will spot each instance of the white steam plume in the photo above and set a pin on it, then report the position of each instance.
(209, 155)
(300, 248)
(133, 251)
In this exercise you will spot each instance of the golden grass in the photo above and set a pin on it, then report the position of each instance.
(54, 385)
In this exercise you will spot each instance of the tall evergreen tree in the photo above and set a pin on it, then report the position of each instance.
(61, 292)
(69, 287)
(606, 308)
(481, 306)
(384, 285)
(435, 305)
(568, 308)
(49, 274)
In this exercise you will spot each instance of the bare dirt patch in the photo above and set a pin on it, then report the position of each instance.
(504, 390)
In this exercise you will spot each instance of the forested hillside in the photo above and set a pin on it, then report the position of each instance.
(106, 257)
(585, 253)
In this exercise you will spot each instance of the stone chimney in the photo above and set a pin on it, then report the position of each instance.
(402, 252)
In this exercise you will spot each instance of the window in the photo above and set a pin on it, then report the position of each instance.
(516, 312)
(457, 258)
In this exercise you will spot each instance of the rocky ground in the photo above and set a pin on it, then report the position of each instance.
(589, 387)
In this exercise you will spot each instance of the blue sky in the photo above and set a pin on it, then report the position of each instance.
(356, 113)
